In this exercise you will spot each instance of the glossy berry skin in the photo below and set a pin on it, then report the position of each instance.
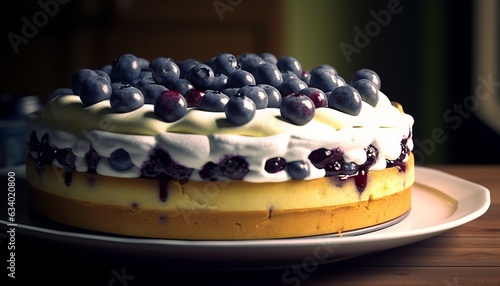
(368, 91)
(220, 81)
(297, 109)
(346, 99)
(143, 63)
(186, 65)
(288, 63)
(292, 85)
(125, 68)
(298, 170)
(316, 95)
(181, 85)
(367, 74)
(240, 78)
(165, 71)
(103, 74)
(120, 160)
(274, 165)
(249, 61)
(240, 109)
(151, 92)
(79, 77)
(269, 58)
(214, 101)
(286, 75)
(231, 91)
(201, 76)
(193, 97)
(119, 84)
(324, 79)
(170, 106)
(255, 93)
(126, 99)
(267, 74)
(273, 95)
(306, 77)
(225, 63)
(94, 89)
(235, 167)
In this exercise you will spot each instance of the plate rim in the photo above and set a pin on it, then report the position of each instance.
(455, 219)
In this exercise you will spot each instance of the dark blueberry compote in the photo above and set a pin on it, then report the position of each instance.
(232, 167)
(92, 158)
(274, 165)
(399, 162)
(161, 166)
(47, 153)
(332, 161)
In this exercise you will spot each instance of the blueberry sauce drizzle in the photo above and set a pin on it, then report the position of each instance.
(47, 153)
(161, 166)
(232, 167)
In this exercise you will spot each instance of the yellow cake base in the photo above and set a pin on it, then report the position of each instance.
(218, 210)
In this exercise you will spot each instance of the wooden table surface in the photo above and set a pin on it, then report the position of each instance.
(466, 255)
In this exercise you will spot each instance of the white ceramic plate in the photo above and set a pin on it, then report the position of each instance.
(440, 202)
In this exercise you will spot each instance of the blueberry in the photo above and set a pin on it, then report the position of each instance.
(324, 79)
(286, 75)
(267, 74)
(60, 91)
(186, 65)
(120, 160)
(240, 78)
(140, 82)
(316, 95)
(94, 89)
(107, 69)
(209, 171)
(269, 58)
(181, 85)
(297, 108)
(151, 92)
(346, 99)
(255, 93)
(79, 77)
(240, 109)
(193, 97)
(165, 71)
(249, 61)
(326, 66)
(367, 74)
(125, 68)
(225, 64)
(274, 165)
(143, 63)
(201, 76)
(298, 170)
(288, 63)
(126, 99)
(306, 77)
(103, 74)
(213, 100)
(230, 91)
(291, 85)
(368, 91)
(220, 81)
(119, 84)
(349, 168)
(235, 167)
(273, 95)
(170, 106)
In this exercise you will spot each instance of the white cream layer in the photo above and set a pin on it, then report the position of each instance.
(201, 137)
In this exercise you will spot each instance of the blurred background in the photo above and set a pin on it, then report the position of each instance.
(438, 58)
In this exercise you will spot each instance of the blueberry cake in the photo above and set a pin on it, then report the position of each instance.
(235, 147)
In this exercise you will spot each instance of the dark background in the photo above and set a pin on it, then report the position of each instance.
(424, 56)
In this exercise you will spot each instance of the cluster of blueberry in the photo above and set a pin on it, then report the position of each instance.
(236, 85)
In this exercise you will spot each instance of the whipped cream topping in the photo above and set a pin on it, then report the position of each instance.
(200, 136)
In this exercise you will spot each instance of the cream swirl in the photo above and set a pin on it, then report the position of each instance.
(200, 136)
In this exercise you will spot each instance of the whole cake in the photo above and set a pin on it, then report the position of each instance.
(236, 147)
